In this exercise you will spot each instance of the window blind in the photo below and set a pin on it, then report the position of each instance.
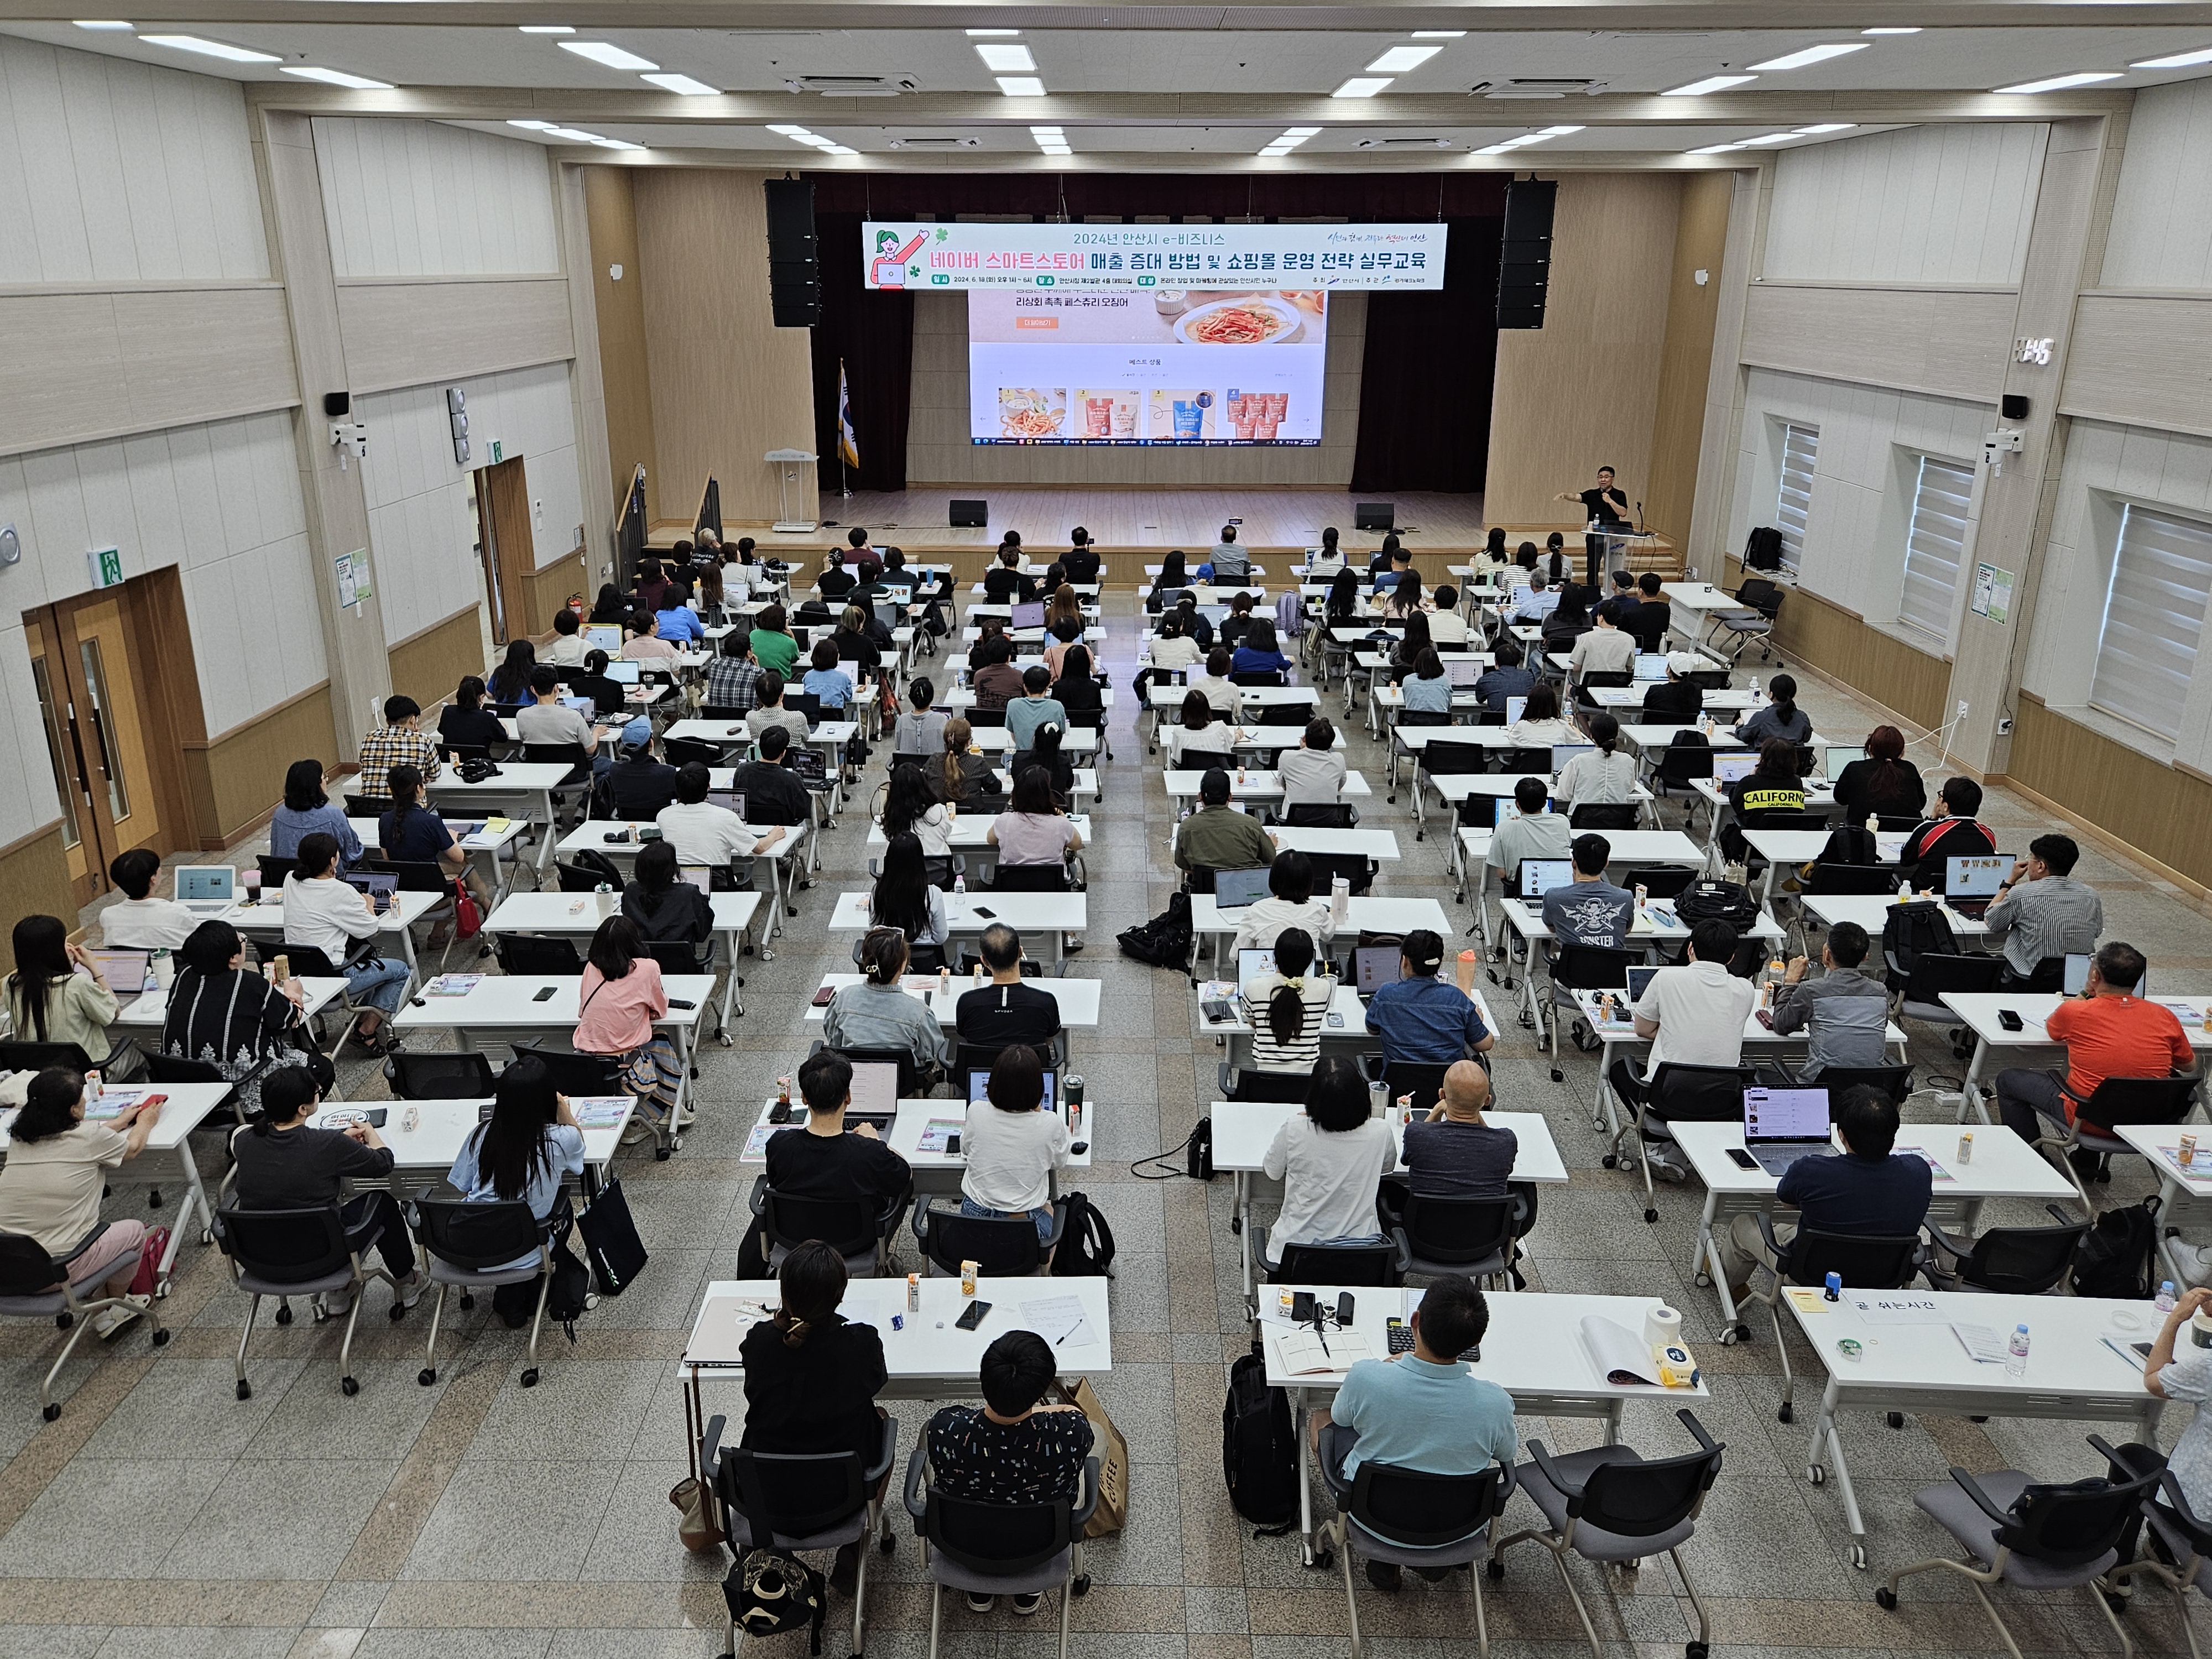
(1935, 545)
(2154, 614)
(1801, 447)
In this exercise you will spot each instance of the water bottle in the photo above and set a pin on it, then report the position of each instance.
(2165, 1297)
(2016, 1353)
(1904, 889)
(960, 885)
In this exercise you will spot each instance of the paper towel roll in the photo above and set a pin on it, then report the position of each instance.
(1662, 1326)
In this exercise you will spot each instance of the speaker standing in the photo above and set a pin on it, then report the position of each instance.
(1606, 507)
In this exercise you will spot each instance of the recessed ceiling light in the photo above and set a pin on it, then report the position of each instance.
(1827, 126)
(1712, 150)
(1362, 86)
(984, 34)
(103, 25)
(682, 83)
(786, 130)
(1710, 84)
(546, 29)
(1890, 31)
(1048, 132)
(1021, 86)
(1292, 138)
(1399, 59)
(570, 134)
(2060, 83)
(841, 149)
(1812, 55)
(1439, 35)
(210, 48)
(1767, 138)
(2180, 60)
(1009, 59)
(1556, 132)
(340, 78)
(533, 126)
(1300, 133)
(617, 144)
(606, 52)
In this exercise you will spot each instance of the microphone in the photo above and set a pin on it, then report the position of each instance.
(1639, 517)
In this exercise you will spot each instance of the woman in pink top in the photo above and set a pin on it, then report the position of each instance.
(1034, 830)
(620, 998)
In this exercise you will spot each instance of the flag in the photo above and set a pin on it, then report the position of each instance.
(849, 448)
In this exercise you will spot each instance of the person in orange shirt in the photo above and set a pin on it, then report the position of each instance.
(2109, 1031)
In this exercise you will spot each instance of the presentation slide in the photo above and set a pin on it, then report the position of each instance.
(1161, 366)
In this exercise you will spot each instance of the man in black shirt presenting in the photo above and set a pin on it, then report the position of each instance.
(1009, 1010)
(1608, 506)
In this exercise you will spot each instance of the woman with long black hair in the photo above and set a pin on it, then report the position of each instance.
(1286, 1004)
(904, 897)
(526, 1150)
(510, 681)
(48, 999)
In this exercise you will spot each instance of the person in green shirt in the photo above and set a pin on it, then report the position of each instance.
(1217, 836)
(773, 649)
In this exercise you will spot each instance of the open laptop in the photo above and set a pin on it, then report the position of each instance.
(1652, 667)
(1639, 981)
(1781, 1126)
(1028, 614)
(380, 887)
(1253, 961)
(701, 875)
(875, 1095)
(979, 1086)
(1969, 884)
(730, 800)
(808, 763)
(1841, 755)
(603, 636)
(1235, 888)
(1540, 876)
(1514, 708)
(808, 704)
(1374, 966)
(206, 890)
(1729, 768)
(584, 706)
(1563, 752)
(622, 673)
(127, 972)
(1463, 673)
(1510, 809)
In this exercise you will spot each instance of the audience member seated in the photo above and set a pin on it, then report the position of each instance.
(1004, 582)
(1217, 836)
(1258, 653)
(1454, 1152)
(1080, 561)
(1312, 773)
(774, 792)
(398, 742)
(567, 650)
(1842, 1014)
(1589, 909)
(1331, 1159)
(608, 695)
(1541, 725)
(1679, 700)
(997, 681)
(964, 772)
(548, 719)
(55, 1173)
(641, 641)
(2181, 1371)
(1953, 833)
(1428, 689)
(1287, 1004)
(919, 729)
(909, 809)
(618, 998)
(510, 681)
(676, 621)
(879, 1013)
(1692, 1015)
(1423, 1020)
(1781, 719)
(1076, 690)
(772, 645)
(1172, 648)
(652, 585)
(1539, 602)
(1045, 752)
(224, 1014)
(1291, 903)
(1507, 679)
(1204, 731)
(1867, 1190)
(826, 1159)
(768, 710)
(1772, 788)
(330, 915)
(1537, 833)
(826, 681)
(1036, 705)
(703, 833)
(1009, 1009)
(466, 720)
(1604, 777)
(1448, 630)
(2044, 915)
(1228, 563)
(904, 897)
(1882, 783)
(639, 784)
(137, 921)
(733, 678)
(1215, 685)
(667, 909)
(283, 1165)
(1011, 1145)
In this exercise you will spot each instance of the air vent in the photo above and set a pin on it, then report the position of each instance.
(931, 141)
(853, 86)
(1536, 86)
(1405, 143)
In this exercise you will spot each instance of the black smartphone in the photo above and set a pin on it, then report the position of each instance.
(984, 912)
(952, 1143)
(1302, 1307)
(974, 1316)
(1741, 1159)
(2010, 1020)
(546, 994)
(1344, 1307)
(679, 1002)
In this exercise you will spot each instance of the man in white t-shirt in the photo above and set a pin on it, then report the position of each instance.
(138, 921)
(702, 833)
(1692, 1015)
(548, 719)
(1605, 649)
(1447, 627)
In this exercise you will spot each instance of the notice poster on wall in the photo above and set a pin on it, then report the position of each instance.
(1186, 366)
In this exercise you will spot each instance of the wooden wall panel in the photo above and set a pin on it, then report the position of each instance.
(1837, 641)
(2141, 803)
(35, 875)
(611, 212)
(2138, 360)
(1581, 391)
(109, 363)
(401, 333)
(728, 386)
(548, 589)
(2161, 236)
(236, 778)
(1686, 358)
(1950, 342)
(429, 665)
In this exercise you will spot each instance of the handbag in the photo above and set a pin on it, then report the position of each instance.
(468, 920)
(151, 1249)
(610, 1242)
(1113, 1449)
(696, 1525)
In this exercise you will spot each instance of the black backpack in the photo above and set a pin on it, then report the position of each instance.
(1717, 901)
(2118, 1257)
(1164, 941)
(1260, 1450)
(1198, 1152)
(771, 1592)
(1849, 843)
(1910, 931)
(1087, 1248)
(1762, 548)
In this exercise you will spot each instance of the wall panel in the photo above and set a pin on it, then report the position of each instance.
(1951, 344)
(1895, 673)
(236, 778)
(428, 666)
(611, 209)
(1686, 358)
(2129, 797)
(418, 198)
(2140, 359)
(399, 334)
(2160, 236)
(35, 875)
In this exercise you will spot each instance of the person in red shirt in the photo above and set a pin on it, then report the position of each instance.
(2109, 1031)
(1952, 832)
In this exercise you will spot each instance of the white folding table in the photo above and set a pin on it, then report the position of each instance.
(1979, 1011)
(578, 915)
(1034, 916)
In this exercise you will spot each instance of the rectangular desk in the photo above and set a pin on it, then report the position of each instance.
(1534, 1349)
(936, 1175)
(266, 922)
(1655, 925)
(1870, 910)
(1471, 848)
(422, 1156)
(1367, 913)
(1078, 997)
(1255, 783)
(146, 1014)
(969, 834)
(1343, 1032)
(1033, 915)
(528, 784)
(2181, 1197)
(1979, 1010)
(828, 736)
(592, 835)
(482, 846)
(578, 915)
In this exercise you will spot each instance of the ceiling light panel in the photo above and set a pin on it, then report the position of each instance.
(533, 126)
(607, 54)
(1710, 84)
(1812, 55)
(2178, 60)
(1890, 31)
(1439, 35)
(991, 34)
(210, 48)
(1362, 86)
(103, 25)
(1021, 86)
(546, 29)
(1712, 150)
(1827, 126)
(1399, 59)
(684, 84)
(1007, 58)
(2061, 83)
(339, 78)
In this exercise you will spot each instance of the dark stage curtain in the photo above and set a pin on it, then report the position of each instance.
(1425, 384)
(873, 334)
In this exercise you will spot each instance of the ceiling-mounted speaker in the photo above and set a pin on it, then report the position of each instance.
(1524, 259)
(794, 273)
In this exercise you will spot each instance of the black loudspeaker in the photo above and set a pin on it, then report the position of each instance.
(971, 515)
(2013, 406)
(335, 403)
(795, 274)
(1524, 262)
(1374, 515)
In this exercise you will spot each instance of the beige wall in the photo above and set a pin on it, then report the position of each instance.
(1582, 391)
(1686, 358)
(611, 212)
(728, 386)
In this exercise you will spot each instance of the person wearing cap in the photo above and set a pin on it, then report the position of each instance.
(1217, 836)
(1424, 1020)
(638, 785)
(1679, 700)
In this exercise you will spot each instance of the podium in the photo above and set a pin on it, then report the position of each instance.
(1612, 543)
(787, 463)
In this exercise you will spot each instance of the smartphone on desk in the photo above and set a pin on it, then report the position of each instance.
(974, 1316)
(822, 996)
(2010, 1020)
(1741, 1159)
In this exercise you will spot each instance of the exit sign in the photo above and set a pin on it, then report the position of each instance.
(107, 564)
(498, 452)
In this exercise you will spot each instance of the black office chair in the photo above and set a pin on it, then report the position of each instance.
(2182, 1538)
(1647, 622)
(2117, 1100)
(1470, 1235)
(1410, 1518)
(580, 1077)
(1583, 967)
(1521, 762)
(2041, 1536)
(1894, 1081)
(1613, 1507)
(681, 751)
(1661, 881)
(2046, 978)
(858, 1230)
(1259, 677)
(1932, 975)
(1603, 815)
(2005, 1260)
(1005, 1249)
(1864, 880)
(588, 872)
(1318, 815)
(440, 1074)
(1384, 1265)
(274, 870)
(1357, 869)
(1865, 1262)
(537, 955)
(675, 955)
(302, 1252)
(415, 876)
(119, 1062)
(969, 1057)
(1687, 761)
(1674, 1093)
(1289, 1086)
(1000, 1549)
(1030, 878)
(368, 806)
(469, 1246)
(1763, 600)
(1424, 1081)
(34, 1285)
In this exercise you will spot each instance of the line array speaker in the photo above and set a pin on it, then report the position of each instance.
(1524, 262)
(794, 275)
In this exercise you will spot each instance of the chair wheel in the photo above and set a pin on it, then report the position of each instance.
(1082, 1584)
(1495, 1570)
(468, 1300)
(1650, 1215)
(1728, 1338)
(890, 1543)
(1610, 1160)
(1817, 1473)
(51, 1412)
(1557, 1076)
(244, 1390)
(284, 1314)
(1895, 1420)
(662, 1154)
(529, 1378)
(154, 1199)
(398, 1313)
(427, 1376)
(1886, 1599)
(1787, 1414)
(64, 1321)
(349, 1387)
(1693, 1651)
(161, 1339)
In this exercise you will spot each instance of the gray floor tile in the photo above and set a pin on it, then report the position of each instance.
(106, 1510)
(505, 1520)
(280, 1519)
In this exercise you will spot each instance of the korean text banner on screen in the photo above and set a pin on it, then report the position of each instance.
(919, 255)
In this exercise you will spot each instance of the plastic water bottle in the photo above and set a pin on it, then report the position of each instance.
(960, 886)
(2016, 1353)
(2166, 1296)
(1905, 890)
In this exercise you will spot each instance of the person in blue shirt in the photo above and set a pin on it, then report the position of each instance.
(1423, 1410)
(1424, 1020)
(307, 810)
(1429, 689)
(680, 622)
(1539, 602)
(1258, 653)
(530, 1145)
(824, 680)
(1507, 679)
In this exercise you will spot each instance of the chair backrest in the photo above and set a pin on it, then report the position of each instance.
(1688, 758)
(589, 868)
(175, 1068)
(1341, 1264)
(284, 1245)
(997, 1540)
(794, 1494)
(25, 1268)
(1861, 878)
(969, 1057)
(1934, 974)
(1030, 878)
(1319, 815)
(475, 1237)
(2069, 1526)
(414, 877)
(1698, 1094)
(1866, 1261)
(1422, 1079)
(368, 806)
(1451, 760)
(440, 1074)
(909, 1075)
(2139, 1100)
(677, 956)
(1592, 967)
(847, 1225)
(1614, 676)
(1005, 1249)
(1461, 1230)
(579, 1075)
(1650, 1496)
(1661, 881)
(1521, 760)
(2023, 1261)
(1285, 713)
(1259, 677)
(1422, 1510)
(274, 870)
(305, 961)
(1291, 1086)
(1757, 591)
(1895, 1081)
(37, 1056)
(537, 954)
(1595, 815)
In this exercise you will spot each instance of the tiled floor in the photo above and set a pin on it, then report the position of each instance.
(159, 1516)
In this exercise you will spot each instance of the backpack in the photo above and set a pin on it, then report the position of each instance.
(1762, 548)
(571, 1291)
(1260, 1450)
(1910, 931)
(1717, 901)
(1086, 1247)
(1849, 843)
(2117, 1258)
(1291, 614)
(1165, 940)
(1199, 1152)
(771, 1592)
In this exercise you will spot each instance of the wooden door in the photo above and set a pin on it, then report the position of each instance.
(510, 553)
(94, 699)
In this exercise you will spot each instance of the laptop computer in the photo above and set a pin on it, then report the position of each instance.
(875, 1095)
(1652, 667)
(1253, 961)
(1463, 673)
(730, 800)
(127, 972)
(1734, 768)
(206, 889)
(1029, 615)
(584, 706)
(1971, 883)
(1781, 1126)
(622, 673)
(701, 875)
(1514, 708)
(1639, 981)
(380, 887)
(1540, 876)
(603, 636)
(1374, 966)
(1563, 752)
(2077, 974)
(1841, 755)
(1235, 888)
(1510, 809)
(813, 770)
(979, 1086)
